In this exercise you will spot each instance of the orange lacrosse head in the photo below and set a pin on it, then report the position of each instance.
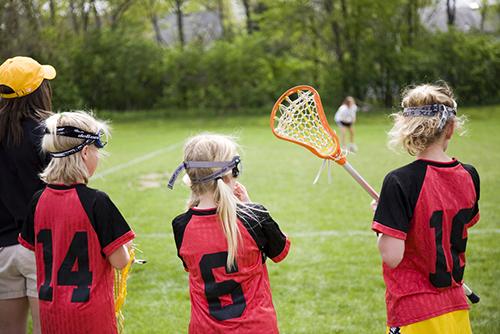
(298, 117)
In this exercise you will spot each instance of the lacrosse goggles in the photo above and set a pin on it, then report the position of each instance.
(443, 111)
(234, 165)
(99, 139)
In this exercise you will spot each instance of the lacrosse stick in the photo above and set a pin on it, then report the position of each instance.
(298, 117)
(120, 287)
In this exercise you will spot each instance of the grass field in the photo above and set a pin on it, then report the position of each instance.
(331, 281)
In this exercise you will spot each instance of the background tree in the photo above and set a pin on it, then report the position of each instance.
(111, 54)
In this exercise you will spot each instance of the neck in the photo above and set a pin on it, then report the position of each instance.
(435, 152)
(80, 181)
(206, 201)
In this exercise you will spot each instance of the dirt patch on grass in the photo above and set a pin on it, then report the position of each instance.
(153, 180)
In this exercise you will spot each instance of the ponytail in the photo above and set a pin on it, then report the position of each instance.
(217, 148)
(226, 210)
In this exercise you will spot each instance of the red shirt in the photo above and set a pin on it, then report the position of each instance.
(430, 205)
(72, 230)
(229, 301)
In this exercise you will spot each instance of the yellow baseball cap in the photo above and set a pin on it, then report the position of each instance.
(23, 75)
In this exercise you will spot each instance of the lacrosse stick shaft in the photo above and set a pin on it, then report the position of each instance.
(362, 182)
(470, 294)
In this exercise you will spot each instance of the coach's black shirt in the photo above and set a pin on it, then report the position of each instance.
(19, 169)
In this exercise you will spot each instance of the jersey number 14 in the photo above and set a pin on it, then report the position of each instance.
(82, 278)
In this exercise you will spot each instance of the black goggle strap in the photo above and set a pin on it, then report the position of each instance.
(223, 165)
(432, 110)
(71, 151)
(73, 132)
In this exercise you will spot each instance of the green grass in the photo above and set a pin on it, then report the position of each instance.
(330, 283)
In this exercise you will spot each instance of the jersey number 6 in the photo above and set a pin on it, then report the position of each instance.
(78, 251)
(214, 290)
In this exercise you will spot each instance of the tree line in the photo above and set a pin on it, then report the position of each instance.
(111, 54)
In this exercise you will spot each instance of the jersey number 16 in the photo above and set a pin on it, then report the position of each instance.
(442, 278)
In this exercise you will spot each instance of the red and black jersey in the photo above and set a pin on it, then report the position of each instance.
(430, 205)
(73, 229)
(236, 300)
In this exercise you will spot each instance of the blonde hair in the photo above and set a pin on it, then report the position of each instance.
(70, 169)
(349, 99)
(214, 147)
(416, 133)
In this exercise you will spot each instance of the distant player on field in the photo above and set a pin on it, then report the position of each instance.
(77, 233)
(423, 215)
(223, 241)
(345, 117)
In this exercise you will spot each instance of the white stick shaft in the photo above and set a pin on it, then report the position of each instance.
(362, 182)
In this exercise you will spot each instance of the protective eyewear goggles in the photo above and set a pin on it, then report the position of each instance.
(224, 166)
(98, 139)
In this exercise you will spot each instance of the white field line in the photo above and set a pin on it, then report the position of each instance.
(325, 233)
(137, 160)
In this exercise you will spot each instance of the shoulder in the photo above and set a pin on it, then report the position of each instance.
(253, 209)
(474, 175)
(94, 195)
(407, 180)
(179, 225)
(405, 174)
(180, 221)
(100, 196)
(256, 207)
(95, 201)
(35, 199)
(253, 214)
(471, 169)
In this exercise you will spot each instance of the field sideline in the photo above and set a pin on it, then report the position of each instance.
(331, 281)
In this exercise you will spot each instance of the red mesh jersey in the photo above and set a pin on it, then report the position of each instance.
(236, 300)
(430, 205)
(72, 230)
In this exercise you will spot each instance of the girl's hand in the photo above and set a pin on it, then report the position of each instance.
(241, 192)
(373, 205)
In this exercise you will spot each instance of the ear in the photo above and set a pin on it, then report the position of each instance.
(85, 152)
(226, 179)
(449, 130)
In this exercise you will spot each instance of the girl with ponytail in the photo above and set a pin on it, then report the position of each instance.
(223, 241)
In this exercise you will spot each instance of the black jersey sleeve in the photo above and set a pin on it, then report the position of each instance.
(475, 179)
(278, 244)
(111, 228)
(394, 210)
(27, 235)
(265, 231)
(179, 225)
